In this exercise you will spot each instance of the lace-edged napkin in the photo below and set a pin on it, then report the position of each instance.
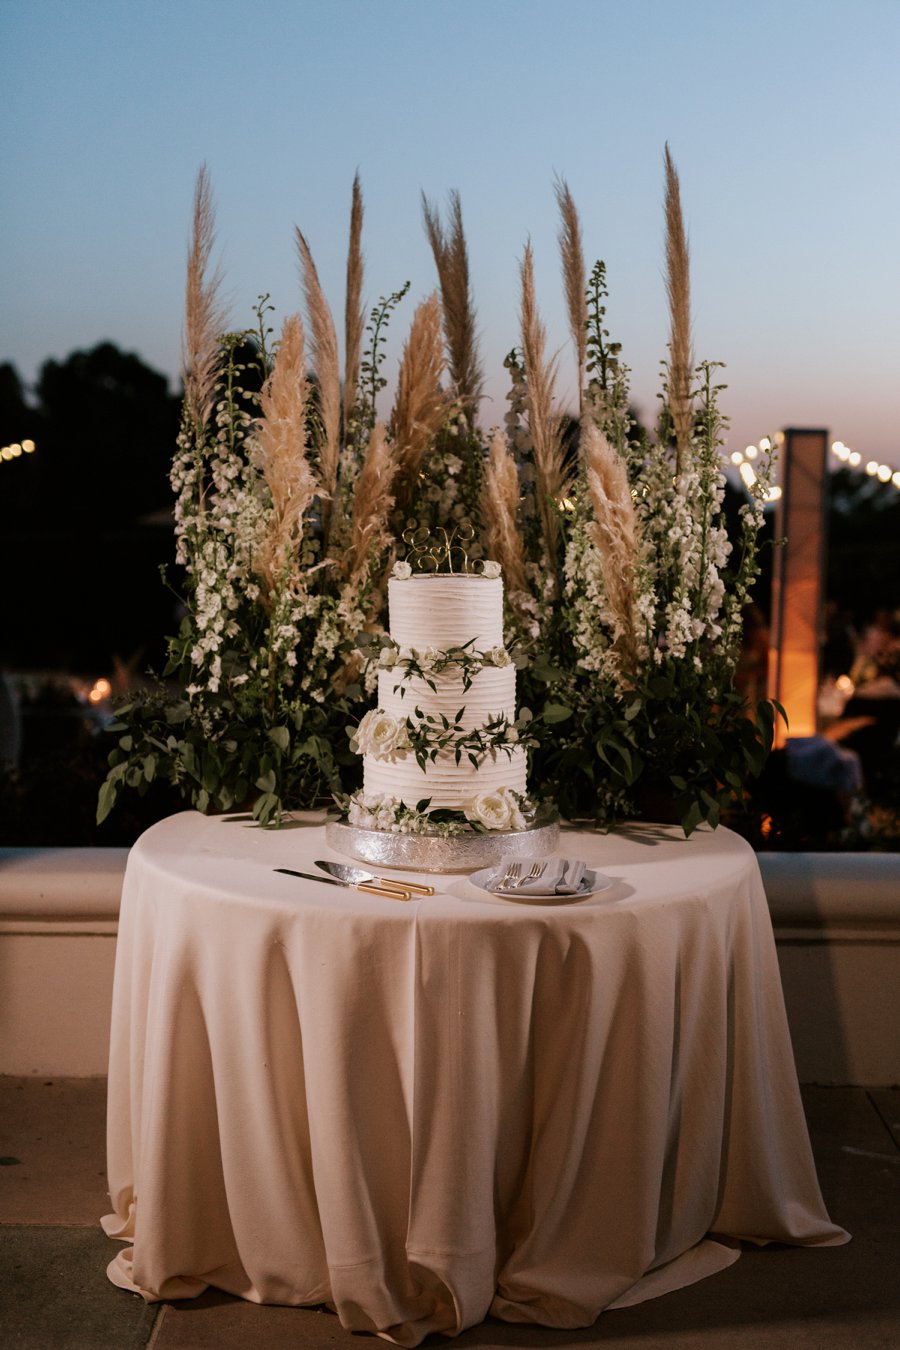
(560, 876)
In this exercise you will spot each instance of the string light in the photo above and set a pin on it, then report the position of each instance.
(873, 467)
(15, 450)
(741, 459)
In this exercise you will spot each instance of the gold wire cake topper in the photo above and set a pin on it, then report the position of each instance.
(439, 551)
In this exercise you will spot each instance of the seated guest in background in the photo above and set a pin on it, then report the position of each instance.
(876, 735)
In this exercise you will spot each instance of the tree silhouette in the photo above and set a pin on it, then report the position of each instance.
(84, 522)
(110, 428)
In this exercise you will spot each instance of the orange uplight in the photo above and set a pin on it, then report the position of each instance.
(100, 690)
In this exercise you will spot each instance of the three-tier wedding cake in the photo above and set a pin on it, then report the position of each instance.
(444, 736)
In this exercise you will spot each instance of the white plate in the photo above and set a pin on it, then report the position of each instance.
(488, 877)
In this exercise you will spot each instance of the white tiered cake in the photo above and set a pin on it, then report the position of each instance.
(444, 731)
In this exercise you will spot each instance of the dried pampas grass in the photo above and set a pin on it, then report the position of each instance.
(204, 319)
(574, 277)
(281, 437)
(544, 422)
(500, 507)
(420, 405)
(354, 312)
(678, 287)
(614, 533)
(372, 504)
(327, 369)
(452, 260)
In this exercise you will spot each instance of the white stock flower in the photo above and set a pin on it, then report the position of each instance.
(359, 815)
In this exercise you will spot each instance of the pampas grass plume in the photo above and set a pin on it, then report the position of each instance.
(420, 405)
(281, 438)
(544, 423)
(574, 277)
(452, 261)
(354, 311)
(372, 504)
(614, 533)
(678, 287)
(204, 318)
(327, 368)
(500, 506)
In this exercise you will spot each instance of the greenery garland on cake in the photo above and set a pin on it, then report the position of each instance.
(624, 593)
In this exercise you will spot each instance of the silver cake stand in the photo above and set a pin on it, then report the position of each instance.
(434, 853)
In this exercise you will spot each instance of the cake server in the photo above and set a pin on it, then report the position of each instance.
(355, 875)
(393, 891)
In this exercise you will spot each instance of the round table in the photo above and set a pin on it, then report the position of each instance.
(423, 1112)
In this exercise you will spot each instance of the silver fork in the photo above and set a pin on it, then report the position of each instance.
(511, 874)
(537, 870)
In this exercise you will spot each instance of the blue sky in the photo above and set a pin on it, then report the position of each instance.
(783, 118)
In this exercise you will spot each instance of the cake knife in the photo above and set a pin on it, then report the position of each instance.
(354, 875)
(393, 892)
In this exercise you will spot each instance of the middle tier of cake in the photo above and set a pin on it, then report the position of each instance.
(443, 782)
(491, 694)
(487, 706)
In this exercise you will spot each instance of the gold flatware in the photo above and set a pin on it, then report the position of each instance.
(392, 892)
(358, 874)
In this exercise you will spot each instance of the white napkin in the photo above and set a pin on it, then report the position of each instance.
(561, 876)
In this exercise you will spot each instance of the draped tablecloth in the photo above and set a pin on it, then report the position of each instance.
(423, 1112)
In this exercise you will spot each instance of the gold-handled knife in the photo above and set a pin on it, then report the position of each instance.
(357, 875)
(392, 892)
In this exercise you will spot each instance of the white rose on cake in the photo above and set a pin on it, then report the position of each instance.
(380, 735)
(402, 571)
(496, 810)
(499, 657)
(490, 809)
(490, 569)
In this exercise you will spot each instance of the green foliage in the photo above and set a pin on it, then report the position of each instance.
(626, 632)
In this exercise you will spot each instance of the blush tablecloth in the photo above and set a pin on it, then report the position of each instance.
(424, 1112)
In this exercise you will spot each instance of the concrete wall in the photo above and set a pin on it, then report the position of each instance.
(837, 928)
(836, 919)
(59, 912)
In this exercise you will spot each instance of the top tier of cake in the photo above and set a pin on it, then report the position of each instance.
(446, 611)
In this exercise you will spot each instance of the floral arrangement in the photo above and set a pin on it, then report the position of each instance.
(498, 809)
(624, 591)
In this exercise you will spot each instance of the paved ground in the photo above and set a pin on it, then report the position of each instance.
(54, 1294)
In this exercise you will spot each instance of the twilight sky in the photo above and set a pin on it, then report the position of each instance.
(783, 117)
